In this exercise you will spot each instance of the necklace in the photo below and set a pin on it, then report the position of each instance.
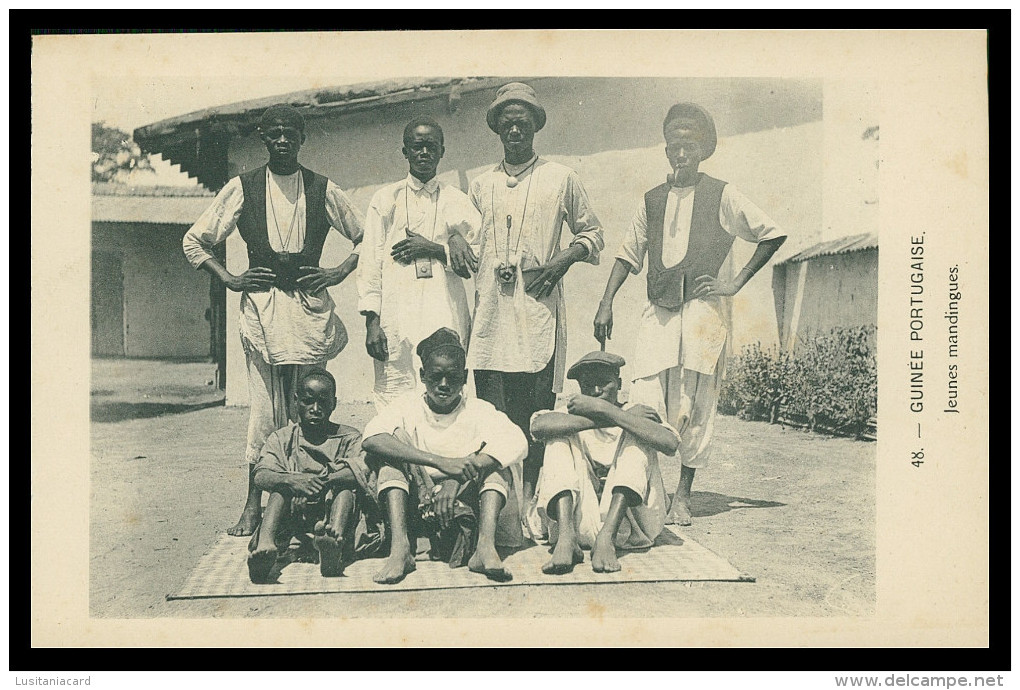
(506, 272)
(285, 243)
(513, 180)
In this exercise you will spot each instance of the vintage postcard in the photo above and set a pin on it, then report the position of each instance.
(342, 324)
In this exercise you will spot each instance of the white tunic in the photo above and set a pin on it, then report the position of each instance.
(457, 434)
(410, 308)
(294, 327)
(513, 331)
(453, 435)
(694, 336)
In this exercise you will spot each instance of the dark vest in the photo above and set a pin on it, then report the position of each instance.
(254, 227)
(707, 248)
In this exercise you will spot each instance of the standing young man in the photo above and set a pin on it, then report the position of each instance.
(686, 227)
(287, 322)
(406, 287)
(519, 340)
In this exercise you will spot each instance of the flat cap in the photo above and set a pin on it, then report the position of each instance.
(606, 359)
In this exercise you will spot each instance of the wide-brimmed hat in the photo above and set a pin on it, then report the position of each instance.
(515, 92)
(695, 117)
(604, 359)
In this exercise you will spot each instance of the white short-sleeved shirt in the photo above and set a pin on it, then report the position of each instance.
(453, 435)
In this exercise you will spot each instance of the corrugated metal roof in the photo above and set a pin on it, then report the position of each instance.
(844, 245)
(163, 205)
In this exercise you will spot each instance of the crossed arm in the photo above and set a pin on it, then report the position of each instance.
(300, 484)
(586, 412)
(474, 466)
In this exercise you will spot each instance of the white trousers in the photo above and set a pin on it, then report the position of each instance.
(568, 467)
(271, 389)
(396, 376)
(664, 393)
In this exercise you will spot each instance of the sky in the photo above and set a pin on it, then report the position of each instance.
(142, 102)
(134, 104)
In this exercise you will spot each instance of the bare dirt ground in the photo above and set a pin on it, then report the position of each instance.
(794, 510)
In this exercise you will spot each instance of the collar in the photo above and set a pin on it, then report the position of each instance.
(437, 415)
(278, 176)
(517, 169)
(417, 185)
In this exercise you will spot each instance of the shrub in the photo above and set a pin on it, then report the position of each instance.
(829, 379)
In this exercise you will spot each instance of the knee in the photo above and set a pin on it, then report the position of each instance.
(279, 496)
(630, 497)
(498, 481)
(634, 456)
(557, 450)
(391, 476)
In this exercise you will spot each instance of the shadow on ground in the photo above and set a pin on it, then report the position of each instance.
(119, 411)
(706, 503)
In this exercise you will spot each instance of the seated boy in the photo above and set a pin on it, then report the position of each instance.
(301, 466)
(467, 448)
(593, 437)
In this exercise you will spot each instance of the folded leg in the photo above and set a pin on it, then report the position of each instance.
(635, 472)
(393, 492)
(491, 499)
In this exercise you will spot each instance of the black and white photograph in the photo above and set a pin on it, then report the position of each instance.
(388, 339)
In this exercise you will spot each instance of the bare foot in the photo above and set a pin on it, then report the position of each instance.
(246, 525)
(603, 556)
(396, 567)
(566, 554)
(679, 512)
(331, 563)
(260, 563)
(486, 561)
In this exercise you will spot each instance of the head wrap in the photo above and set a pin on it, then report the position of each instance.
(515, 92)
(443, 340)
(288, 115)
(692, 116)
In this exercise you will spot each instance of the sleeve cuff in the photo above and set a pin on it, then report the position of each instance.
(367, 304)
(592, 256)
(198, 260)
(634, 268)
